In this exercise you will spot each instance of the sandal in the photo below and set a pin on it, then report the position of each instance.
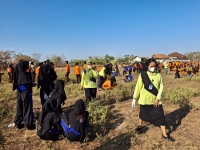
(168, 138)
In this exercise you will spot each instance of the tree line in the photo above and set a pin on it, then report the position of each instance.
(9, 56)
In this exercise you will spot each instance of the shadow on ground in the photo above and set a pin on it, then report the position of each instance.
(122, 142)
(174, 118)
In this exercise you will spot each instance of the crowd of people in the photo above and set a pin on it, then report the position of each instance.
(53, 121)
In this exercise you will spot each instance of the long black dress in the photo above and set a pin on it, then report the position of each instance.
(45, 80)
(23, 84)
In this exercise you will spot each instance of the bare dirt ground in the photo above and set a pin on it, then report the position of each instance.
(183, 122)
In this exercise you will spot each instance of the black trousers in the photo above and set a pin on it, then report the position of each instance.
(124, 72)
(78, 78)
(9, 77)
(33, 76)
(24, 109)
(67, 77)
(90, 93)
(101, 80)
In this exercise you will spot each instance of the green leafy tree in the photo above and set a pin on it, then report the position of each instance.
(143, 59)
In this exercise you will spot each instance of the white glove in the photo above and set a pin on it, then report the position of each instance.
(133, 102)
(11, 125)
(45, 97)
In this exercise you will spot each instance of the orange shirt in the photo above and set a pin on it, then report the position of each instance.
(9, 70)
(67, 68)
(37, 70)
(107, 85)
(99, 69)
(77, 70)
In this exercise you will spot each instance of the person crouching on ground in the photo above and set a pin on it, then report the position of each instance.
(149, 88)
(105, 72)
(48, 125)
(88, 81)
(128, 78)
(110, 83)
(58, 93)
(76, 124)
(177, 74)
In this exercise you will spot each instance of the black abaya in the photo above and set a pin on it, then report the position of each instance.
(78, 121)
(23, 84)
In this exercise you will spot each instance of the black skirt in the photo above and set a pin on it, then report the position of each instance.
(153, 115)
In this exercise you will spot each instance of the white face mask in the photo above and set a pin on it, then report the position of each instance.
(89, 66)
(152, 69)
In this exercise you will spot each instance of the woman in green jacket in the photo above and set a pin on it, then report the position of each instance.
(88, 81)
(149, 89)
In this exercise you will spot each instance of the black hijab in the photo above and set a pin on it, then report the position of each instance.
(108, 69)
(44, 71)
(52, 74)
(20, 76)
(58, 90)
(76, 118)
(79, 107)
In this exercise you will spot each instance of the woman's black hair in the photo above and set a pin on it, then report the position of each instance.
(76, 64)
(147, 62)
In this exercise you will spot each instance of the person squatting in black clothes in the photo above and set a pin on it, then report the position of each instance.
(48, 125)
(58, 93)
(45, 80)
(76, 124)
(23, 84)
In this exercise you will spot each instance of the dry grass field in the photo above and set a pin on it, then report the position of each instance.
(113, 120)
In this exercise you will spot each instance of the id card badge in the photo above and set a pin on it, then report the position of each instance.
(150, 86)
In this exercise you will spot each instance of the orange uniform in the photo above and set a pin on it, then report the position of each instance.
(9, 70)
(37, 70)
(67, 68)
(107, 85)
(99, 69)
(77, 70)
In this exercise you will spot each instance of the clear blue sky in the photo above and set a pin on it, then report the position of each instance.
(82, 28)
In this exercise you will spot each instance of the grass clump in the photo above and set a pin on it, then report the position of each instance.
(179, 95)
(99, 118)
